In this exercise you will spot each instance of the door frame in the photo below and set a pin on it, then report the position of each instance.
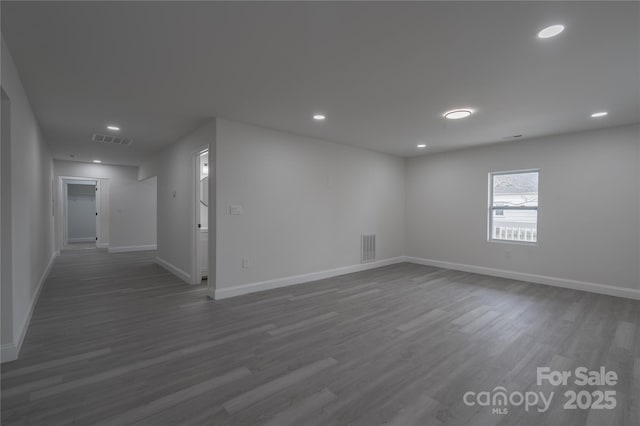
(196, 267)
(63, 182)
(65, 210)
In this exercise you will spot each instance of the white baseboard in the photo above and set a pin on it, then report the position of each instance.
(606, 289)
(124, 249)
(10, 351)
(609, 290)
(174, 270)
(224, 293)
(81, 240)
(102, 245)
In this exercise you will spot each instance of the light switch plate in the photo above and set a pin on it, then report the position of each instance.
(235, 210)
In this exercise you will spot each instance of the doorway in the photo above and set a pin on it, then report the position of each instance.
(202, 216)
(81, 214)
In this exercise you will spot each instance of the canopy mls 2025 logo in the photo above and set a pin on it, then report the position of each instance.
(501, 401)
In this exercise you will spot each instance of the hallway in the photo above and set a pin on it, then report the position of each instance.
(99, 313)
(117, 340)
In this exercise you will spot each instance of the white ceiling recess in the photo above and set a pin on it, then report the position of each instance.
(382, 73)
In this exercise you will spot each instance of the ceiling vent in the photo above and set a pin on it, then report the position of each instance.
(116, 140)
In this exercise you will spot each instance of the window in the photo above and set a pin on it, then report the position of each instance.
(513, 206)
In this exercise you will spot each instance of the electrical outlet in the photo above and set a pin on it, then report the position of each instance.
(507, 253)
(235, 210)
(245, 263)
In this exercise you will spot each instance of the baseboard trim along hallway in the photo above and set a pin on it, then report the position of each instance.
(10, 351)
(124, 249)
(174, 270)
(227, 292)
(609, 290)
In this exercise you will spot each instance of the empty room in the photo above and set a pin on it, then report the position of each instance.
(320, 213)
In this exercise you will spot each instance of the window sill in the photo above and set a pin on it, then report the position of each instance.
(521, 243)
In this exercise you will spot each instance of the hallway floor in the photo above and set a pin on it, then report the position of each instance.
(80, 246)
(117, 340)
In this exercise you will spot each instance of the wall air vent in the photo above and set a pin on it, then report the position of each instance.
(115, 140)
(368, 248)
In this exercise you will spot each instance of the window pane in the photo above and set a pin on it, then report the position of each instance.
(515, 190)
(514, 225)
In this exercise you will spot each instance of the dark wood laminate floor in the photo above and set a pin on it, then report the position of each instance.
(117, 340)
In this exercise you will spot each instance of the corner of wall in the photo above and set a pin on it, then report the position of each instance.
(149, 167)
(10, 351)
(173, 167)
(405, 212)
(29, 261)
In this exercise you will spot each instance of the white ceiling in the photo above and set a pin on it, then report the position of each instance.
(383, 73)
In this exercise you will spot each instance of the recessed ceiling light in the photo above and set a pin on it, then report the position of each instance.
(551, 31)
(422, 145)
(599, 114)
(114, 128)
(458, 113)
(319, 117)
(97, 161)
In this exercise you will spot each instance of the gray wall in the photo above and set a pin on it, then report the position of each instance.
(129, 206)
(175, 170)
(306, 202)
(31, 244)
(589, 226)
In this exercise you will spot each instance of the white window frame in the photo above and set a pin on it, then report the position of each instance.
(492, 208)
